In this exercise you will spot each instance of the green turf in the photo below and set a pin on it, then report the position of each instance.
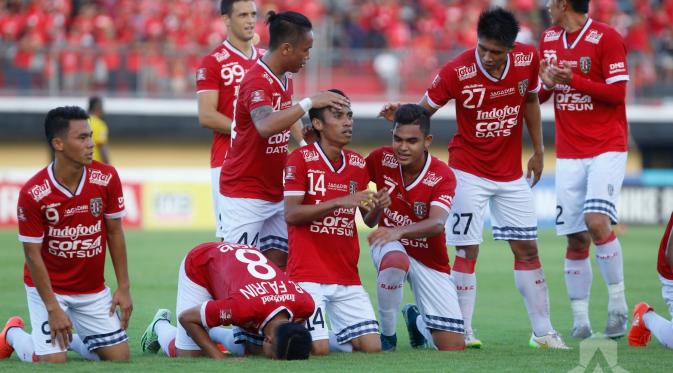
(500, 319)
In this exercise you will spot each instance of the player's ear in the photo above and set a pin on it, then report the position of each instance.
(57, 143)
(317, 124)
(428, 141)
(286, 48)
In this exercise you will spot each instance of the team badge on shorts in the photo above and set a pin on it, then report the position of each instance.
(611, 189)
(585, 64)
(523, 84)
(353, 187)
(420, 209)
(96, 206)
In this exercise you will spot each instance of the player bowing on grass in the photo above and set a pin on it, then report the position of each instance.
(495, 86)
(69, 213)
(231, 284)
(409, 243)
(324, 184)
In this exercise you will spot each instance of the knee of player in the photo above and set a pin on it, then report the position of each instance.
(524, 249)
(449, 341)
(579, 242)
(395, 259)
(59, 358)
(598, 225)
(370, 345)
(320, 349)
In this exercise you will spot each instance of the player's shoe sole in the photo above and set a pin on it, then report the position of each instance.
(471, 341)
(149, 341)
(616, 325)
(5, 348)
(388, 343)
(549, 341)
(639, 335)
(581, 332)
(416, 338)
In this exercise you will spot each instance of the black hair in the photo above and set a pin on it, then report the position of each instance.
(286, 27)
(580, 6)
(94, 103)
(413, 114)
(292, 341)
(499, 25)
(227, 6)
(58, 120)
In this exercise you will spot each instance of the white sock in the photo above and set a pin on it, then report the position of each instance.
(22, 343)
(389, 292)
(610, 261)
(661, 328)
(466, 287)
(616, 298)
(166, 333)
(225, 336)
(423, 328)
(335, 346)
(578, 276)
(78, 346)
(580, 309)
(533, 287)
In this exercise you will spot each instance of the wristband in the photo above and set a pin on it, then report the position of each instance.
(306, 104)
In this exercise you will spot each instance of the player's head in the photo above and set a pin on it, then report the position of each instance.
(95, 105)
(291, 37)
(411, 134)
(69, 134)
(240, 17)
(559, 8)
(290, 341)
(496, 32)
(331, 124)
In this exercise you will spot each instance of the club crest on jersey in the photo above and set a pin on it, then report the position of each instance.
(523, 59)
(594, 37)
(201, 74)
(523, 85)
(225, 315)
(420, 209)
(40, 191)
(96, 206)
(352, 187)
(99, 178)
(356, 161)
(585, 64)
(466, 72)
(552, 35)
(611, 189)
(290, 173)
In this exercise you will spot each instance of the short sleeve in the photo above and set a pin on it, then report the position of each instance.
(255, 93)
(220, 312)
(444, 191)
(31, 224)
(295, 175)
(208, 76)
(115, 198)
(440, 92)
(534, 82)
(613, 54)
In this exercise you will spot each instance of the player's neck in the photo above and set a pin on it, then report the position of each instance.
(67, 173)
(332, 151)
(411, 172)
(574, 22)
(241, 45)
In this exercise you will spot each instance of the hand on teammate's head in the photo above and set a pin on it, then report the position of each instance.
(388, 111)
(327, 98)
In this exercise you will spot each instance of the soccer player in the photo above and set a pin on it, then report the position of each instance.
(645, 321)
(218, 80)
(251, 181)
(418, 192)
(100, 130)
(231, 284)
(68, 213)
(495, 86)
(584, 67)
(324, 184)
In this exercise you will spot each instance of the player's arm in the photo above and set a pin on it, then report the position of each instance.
(533, 120)
(190, 319)
(388, 110)
(117, 247)
(59, 323)
(381, 202)
(298, 214)
(297, 131)
(669, 250)
(209, 117)
(429, 227)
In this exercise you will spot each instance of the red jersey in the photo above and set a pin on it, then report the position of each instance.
(489, 111)
(71, 227)
(434, 186)
(253, 167)
(248, 290)
(327, 250)
(586, 127)
(662, 264)
(222, 70)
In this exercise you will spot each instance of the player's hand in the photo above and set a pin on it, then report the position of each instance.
(382, 199)
(327, 98)
(364, 199)
(122, 298)
(61, 328)
(535, 166)
(545, 73)
(561, 74)
(383, 235)
(388, 111)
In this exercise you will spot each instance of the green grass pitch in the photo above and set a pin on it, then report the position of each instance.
(500, 318)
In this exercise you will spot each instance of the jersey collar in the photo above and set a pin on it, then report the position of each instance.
(60, 187)
(486, 73)
(239, 52)
(419, 177)
(273, 76)
(327, 161)
(577, 39)
(273, 314)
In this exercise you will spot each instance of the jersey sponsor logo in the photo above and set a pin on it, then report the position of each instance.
(352, 187)
(392, 218)
(571, 64)
(201, 74)
(617, 67)
(76, 210)
(340, 187)
(585, 64)
(290, 173)
(466, 72)
(523, 85)
(523, 59)
(40, 191)
(552, 35)
(420, 209)
(502, 93)
(21, 214)
(225, 315)
(356, 160)
(389, 160)
(120, 202)
(221, 55)
(567, 99)
(594, 37)
(431, 179)
(278, 298)
(310, 155)
(549, 54)
(496, 122)
(446, 199)
(96, 206)
(267, 77)
(99, 178)
(334, 225)
(74, 233)
(278, 143)
(257, 96)
(266, 288)
(85, 248)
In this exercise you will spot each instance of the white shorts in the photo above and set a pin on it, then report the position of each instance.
(434, 291)
(667, 293)
(587, 185)
(215, 190)
(512, 206)
(349, 310)
(89, 314)
(253, 222)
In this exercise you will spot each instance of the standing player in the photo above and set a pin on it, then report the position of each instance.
(645, 321)
(584, 65)
(231, 284)
(324, 184)
(68, 212)
(251, 181)
(100, 130)
(495, 87)
(409, 242)
(218, 81)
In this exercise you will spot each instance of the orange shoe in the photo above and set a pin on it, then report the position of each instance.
(5, 348)
(639, 335)
(221, 347)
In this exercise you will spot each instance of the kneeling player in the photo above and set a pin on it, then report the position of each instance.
(409, 242)
(645, 321)
(324, 184)
(232, 284)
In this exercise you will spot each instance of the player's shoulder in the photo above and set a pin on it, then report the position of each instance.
(257, 75)
(464, 66)
(523, 48)
(383, 157)
(218, 54)
(379, 152)
(599, 31)
(102, 167)
(307, 154)
(551, 34)
(354, 158)
(38, 186)
(524, 55)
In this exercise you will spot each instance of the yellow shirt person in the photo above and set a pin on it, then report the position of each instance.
(100, 130)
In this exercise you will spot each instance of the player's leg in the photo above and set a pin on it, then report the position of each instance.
(661, 328)
(189, 295)
(215, 191)
(392, 264)
(273, 235)
(159, 333)
(441, 321)
(352, 318)
(242, 219)
(464, 231)
(605, 177)
(14, 338)
(43, 350)
(317, 323)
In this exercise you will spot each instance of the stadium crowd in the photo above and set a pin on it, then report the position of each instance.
(154, 46)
